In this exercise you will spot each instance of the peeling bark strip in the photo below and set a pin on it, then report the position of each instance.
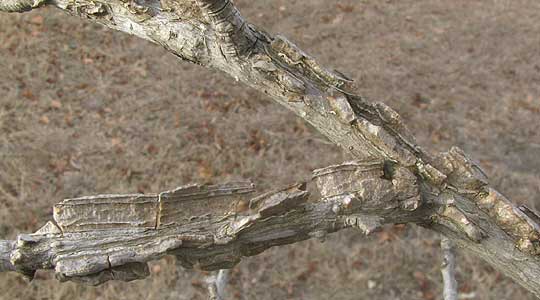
(106, 211)
(395, 181)
(193, 202)
(178, 206)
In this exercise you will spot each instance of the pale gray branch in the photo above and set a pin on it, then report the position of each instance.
(208, 226)
(217, 283)
(448, 270)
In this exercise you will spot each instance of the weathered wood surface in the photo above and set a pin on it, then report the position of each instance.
(446, 192)
(113, 240)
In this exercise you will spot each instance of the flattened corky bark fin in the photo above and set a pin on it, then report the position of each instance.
(106, 212)
(190, 202)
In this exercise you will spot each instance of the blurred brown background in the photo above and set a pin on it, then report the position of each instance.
(85, 110)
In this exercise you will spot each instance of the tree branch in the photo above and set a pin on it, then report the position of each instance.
(446, 192)
(448, 270)
(216, 284)
(208, 226)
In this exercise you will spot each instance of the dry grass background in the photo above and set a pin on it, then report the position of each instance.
(84, 110)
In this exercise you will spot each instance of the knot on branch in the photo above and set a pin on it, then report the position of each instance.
(20, 5)
(366, 191)
(370, 185)
(462, 172)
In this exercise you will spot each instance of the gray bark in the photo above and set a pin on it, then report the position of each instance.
(393, 181)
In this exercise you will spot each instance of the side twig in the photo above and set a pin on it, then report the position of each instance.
(448, 270)
(217, 283)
